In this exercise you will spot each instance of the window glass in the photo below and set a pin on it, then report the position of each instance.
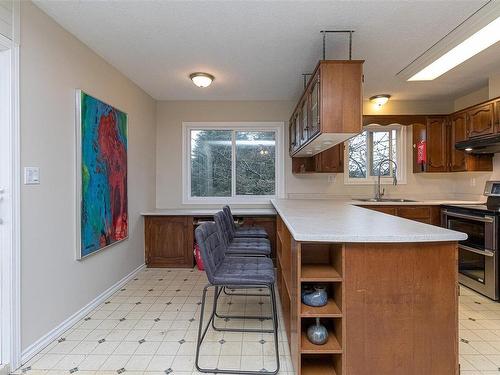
(381, 146)
(367, 150)
(211, 163)
(357, 156)
(255, 163)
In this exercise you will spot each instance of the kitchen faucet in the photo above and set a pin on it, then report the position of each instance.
(379, 194)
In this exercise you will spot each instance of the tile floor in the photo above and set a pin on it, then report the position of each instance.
(479, 332)
(150, 327)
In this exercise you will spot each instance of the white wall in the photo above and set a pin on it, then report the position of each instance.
(53, 64)
(472, 98)
(171, 114)
(494, 86)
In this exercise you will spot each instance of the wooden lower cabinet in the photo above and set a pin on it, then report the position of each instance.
(168, 241)
(391, 329)
(269, 224)
(423, 214)
(378, 314)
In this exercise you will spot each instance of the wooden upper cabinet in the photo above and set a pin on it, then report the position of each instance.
(314, 95)
(330, 109)
(458, 132)
(497, 115)
(331, 160)
(293, 134)
(304, 120)
(481, 120)
(436, 144)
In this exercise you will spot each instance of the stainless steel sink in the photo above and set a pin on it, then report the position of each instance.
(385, 200)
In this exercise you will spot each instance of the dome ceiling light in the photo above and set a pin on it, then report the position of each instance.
(380, 100)
(201, 79)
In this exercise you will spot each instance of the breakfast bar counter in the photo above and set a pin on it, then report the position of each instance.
(392, 288)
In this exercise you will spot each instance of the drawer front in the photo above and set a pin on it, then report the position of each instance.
(414, 212)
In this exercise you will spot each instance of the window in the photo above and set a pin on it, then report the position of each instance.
(366, 151)
(231, 162)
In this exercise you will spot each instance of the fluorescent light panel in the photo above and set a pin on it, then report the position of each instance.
(484, 38)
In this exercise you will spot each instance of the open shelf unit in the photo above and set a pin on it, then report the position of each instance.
(322, 264)
(301, 264)
(321, 364)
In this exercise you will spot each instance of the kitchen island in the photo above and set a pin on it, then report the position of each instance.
(391, 283)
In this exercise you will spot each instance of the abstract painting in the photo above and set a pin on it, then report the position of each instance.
(102, 207)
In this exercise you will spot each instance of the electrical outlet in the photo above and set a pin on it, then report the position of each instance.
(331, 178)
(473, 181)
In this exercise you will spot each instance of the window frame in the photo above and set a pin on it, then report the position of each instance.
(401, 147)
(276, 127)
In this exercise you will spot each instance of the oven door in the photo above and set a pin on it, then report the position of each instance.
(477, 255)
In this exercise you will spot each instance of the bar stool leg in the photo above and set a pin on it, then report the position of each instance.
(202, 333)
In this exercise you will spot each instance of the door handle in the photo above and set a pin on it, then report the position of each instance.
(485, 252)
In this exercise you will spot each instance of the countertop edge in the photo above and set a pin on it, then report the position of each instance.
(300, 237)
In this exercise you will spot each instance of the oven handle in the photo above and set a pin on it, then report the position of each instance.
(487, 253)
(485, 219)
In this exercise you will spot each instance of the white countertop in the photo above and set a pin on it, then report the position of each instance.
(210, 212)
(318, 220)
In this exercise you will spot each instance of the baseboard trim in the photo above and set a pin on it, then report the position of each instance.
(45, 340)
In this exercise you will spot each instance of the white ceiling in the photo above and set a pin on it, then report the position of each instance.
(258, 50)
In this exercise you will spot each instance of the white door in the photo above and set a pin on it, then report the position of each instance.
(9, 203)
(5, 188)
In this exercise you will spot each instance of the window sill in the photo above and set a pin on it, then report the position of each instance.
(218, 201)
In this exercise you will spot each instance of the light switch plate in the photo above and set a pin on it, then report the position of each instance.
(31, 175)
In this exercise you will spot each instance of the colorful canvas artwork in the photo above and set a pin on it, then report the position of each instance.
(102, 166)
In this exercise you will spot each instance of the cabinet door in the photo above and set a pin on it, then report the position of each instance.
(293, 134)
(436, 144)
(331, 160)
(168, 241)
(298, 131)
(458, 132)
(314, 105)
(481, 120)
(304, 113)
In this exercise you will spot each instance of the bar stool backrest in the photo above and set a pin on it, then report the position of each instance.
(229, 218)
(223, 227)
(212, 248)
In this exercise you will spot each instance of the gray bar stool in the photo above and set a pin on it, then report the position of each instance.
(245, 232)
(240, 246)
(224, 271)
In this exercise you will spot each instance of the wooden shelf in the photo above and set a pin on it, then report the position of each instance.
(332, 346)
(317, 366)
(320, 273)
(330, 310)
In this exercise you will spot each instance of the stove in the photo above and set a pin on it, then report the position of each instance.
(478, 255)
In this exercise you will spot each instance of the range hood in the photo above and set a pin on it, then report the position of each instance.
(483, 145)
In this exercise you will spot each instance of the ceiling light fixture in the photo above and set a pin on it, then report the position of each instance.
(380, 100)
(477, 42)
(201, 79)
